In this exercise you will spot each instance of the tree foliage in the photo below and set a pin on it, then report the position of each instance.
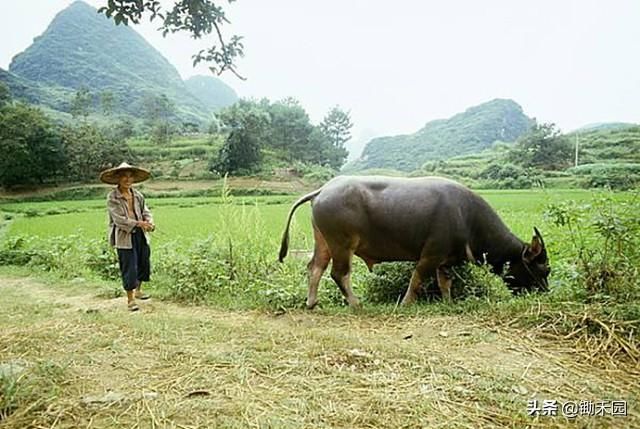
(31, 150)
(296, 138)
(159, 112)
(90, 150)
(336, 127)
(198, 17)
(81, 103)
(107, 102)
(544, 147)
(240, 154)
(283, 128)
(5, 95)
(35, 152)
(247, 125)
(290, 129)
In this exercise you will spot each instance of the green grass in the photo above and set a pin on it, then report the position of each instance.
(184, 218)
(433, 364)
(194, 218)
(254, 225)
(239, 241)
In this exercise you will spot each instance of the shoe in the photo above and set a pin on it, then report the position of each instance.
(142, 296)
(132, 306)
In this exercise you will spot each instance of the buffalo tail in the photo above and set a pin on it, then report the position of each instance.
(284, 245)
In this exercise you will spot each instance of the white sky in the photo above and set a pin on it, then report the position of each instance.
(397, 65)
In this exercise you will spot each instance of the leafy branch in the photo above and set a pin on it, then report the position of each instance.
(198, 17)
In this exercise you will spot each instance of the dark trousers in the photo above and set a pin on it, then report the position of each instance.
(135, 263)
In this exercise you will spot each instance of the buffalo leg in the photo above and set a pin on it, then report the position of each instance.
(444, 283)
(341, 274)
(316, 267)
(419, 274)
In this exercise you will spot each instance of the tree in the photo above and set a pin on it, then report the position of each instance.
(107, 101)
(31, 149)
(543, 146)
(5, 95)
(247, 123)
(119, 131)
(81, 103)
(89, 150)
(240, 154)
(158, 112)
(336, 127)
(290, 129)
(198, 17)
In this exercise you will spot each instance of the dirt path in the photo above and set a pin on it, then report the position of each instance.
(84, 361)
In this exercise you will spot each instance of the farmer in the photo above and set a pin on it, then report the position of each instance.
(130, 222)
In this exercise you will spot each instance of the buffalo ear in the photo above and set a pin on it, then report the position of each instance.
(534, 250)
(537, 234)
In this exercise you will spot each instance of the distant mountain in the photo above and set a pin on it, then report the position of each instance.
(211, 91)
(471, 131)
(598, 126)
(53, 97)
(609, 144)
(82, 48)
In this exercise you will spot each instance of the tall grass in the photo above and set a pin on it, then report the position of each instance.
(224, 253)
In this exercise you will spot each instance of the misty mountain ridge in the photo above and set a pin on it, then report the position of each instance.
(81, 48)
(211, 91)
(471, 131)
(600, 126)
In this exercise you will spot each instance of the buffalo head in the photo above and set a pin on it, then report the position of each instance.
(531, 271)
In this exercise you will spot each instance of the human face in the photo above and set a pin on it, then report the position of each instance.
(126, 180)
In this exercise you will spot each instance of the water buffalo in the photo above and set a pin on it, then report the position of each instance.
(434, 221)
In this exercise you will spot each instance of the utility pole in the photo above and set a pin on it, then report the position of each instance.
(577, 146)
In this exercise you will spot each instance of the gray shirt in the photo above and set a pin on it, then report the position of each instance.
(121, 222)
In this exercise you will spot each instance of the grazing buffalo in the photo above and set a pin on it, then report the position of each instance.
(434, 221)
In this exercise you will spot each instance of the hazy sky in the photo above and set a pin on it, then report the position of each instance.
(397, 65)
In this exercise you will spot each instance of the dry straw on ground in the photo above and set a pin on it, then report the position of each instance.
(94, 365)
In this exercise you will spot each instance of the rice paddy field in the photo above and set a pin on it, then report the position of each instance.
(224, 342)
(189, 219)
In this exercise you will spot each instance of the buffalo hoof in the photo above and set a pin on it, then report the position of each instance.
(355, 305)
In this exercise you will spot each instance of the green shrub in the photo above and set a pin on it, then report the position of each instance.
(102, 259)
(198, 273)
(14, 251)
(605, 244)
(389, 282)
(156, 173)
(473, 282)
(617, 181)
(282, 296)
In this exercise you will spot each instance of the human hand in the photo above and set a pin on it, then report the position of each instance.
(146, 226)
